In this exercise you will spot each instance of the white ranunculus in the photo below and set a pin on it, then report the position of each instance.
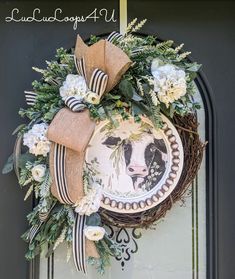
(94, 233)
(36, 140)
(74, 85)
(169, 82)
(92, 98)
(90, 203)
(38, 172)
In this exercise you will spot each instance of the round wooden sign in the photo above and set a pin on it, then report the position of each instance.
(137, 165)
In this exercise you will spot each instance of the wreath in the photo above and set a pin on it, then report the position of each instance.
(110, 114)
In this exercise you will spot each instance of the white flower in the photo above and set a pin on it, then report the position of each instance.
(169, 82)
(94, 233)
(91, 202)
(92, 98)
(41, 148)
(36, 140)
(38, 172)
(74, 85)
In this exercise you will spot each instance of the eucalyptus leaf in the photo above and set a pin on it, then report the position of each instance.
(8, 167)
(24, 158)
(142, 107)
(137, 97)
(126, 89)
(136, 110)
(93, 220)
(112, 97)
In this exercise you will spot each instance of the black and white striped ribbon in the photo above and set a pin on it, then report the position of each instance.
(74, 104)
(62, 189)
(114, 36)
(30, 97)
(98, 82)
(97, 85)
(79, 252)
(59, 173)
(42, 219)
(80, 66)
(34, 230)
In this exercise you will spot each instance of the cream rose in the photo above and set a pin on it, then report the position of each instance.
(94, 233)
(92, 98)
(38, 172)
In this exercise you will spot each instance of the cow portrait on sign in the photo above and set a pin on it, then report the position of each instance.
(131, 157)
(144, 158)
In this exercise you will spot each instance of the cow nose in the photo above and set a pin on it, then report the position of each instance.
(137, 170)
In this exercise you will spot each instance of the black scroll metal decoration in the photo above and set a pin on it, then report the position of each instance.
(127, 241)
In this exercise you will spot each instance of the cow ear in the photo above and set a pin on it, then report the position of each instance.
(160, 144)
(111, 142)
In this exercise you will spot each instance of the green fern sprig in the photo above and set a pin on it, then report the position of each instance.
(165, 45)
(45, 185)
(26, 175)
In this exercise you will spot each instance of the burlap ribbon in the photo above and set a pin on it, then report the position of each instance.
(102, 65)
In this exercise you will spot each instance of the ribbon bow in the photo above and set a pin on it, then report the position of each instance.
(97, 85)
(102, 65)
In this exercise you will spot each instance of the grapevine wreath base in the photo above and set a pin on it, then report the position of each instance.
(187, 127)
(112, 139)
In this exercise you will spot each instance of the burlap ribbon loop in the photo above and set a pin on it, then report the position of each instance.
(102, 66)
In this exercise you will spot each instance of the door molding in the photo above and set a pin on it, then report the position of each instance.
(211, 175)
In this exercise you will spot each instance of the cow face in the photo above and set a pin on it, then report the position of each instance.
(139, 155)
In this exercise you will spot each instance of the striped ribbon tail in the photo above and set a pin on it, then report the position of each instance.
(79, 253)
(98, 82)
(114, 36)
(80, 66)
(43, 216)
(74, 104)
(30, 97)
(59, 173)
(34, 230)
